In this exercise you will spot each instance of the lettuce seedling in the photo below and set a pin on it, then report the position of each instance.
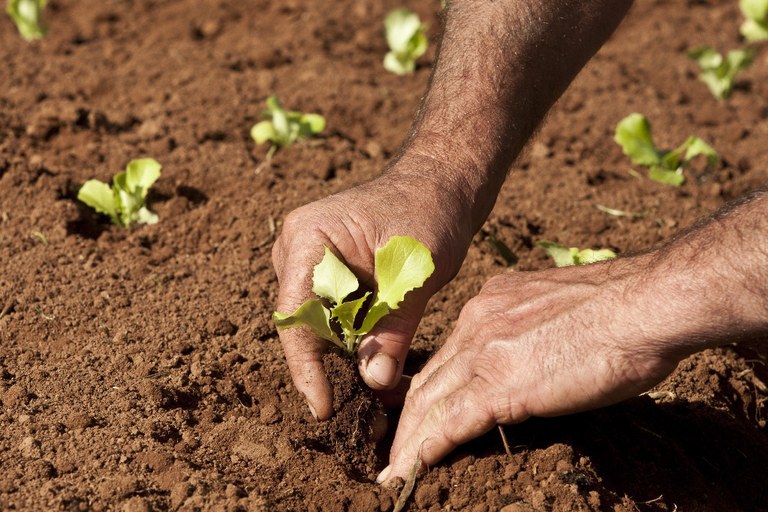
(402, 265)
(633, 134)
(28, 17)
(567, 256)
(407, 41)
(755, 27)
(719, 72)
(283, 127)
(124, 201)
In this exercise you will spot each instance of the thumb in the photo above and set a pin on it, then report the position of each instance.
(382, 352)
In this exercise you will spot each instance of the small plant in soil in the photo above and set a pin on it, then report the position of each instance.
(755, 27)
(407, 40)
(284, 127)
(402, 265)
(718, 71)
(28, 17)
(633, 134)
(124, 201)
(567, 256)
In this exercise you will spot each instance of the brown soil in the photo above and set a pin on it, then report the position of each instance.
(139, 369)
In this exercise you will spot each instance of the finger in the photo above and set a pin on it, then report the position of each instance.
(453, 420)
(382, 352)
(303, 350)
(455, 374)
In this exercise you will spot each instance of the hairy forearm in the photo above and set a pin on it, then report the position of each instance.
(500, 67)
(711, 282)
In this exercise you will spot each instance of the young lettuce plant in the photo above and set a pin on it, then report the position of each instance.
(719, 72)
(28, 17)
(755, 27)
(124, 201)
(283, 127)
(567, 256)
(407, 41)
(633, 134)
(402, 265)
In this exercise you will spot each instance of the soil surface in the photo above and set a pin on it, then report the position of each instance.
(139, 369)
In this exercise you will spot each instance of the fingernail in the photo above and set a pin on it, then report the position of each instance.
(312, 410)
(384, 474)
(382, 369)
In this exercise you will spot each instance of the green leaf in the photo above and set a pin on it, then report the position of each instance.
(563, 256)
(27, 16)
(720, 73)
(346, 313)
(756, 10)
(378, 311)
(140, 174)
(311, 314)
(587, 256)
(402, 265)
(283, 127)
(332, 279)
(311, 124)
(754, 31)
(98, 195)
(144, 216)
(407, 41)
(633, 134)
(694, 146)
(262, 132)
(667, 176)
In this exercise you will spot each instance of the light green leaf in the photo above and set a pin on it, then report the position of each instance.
(667, 176)
(378, 311)
(346, 313)
(402, 265)
(311, 124)
(98, 195)
(396, 66)
(720, 73)
(754, 9)
(400, 26)
(144, 216)
(311, 314)
(27, 15)
(562, 256)
(694, 146)
(633, 134)
(140, 174)
(332, 279)
(262, 132)
(754, 31)
(407, 41)
(587, 256)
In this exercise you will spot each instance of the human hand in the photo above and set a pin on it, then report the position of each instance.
(353, 224)
(537, 344)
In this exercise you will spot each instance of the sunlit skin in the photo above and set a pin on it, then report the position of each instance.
(529, 344)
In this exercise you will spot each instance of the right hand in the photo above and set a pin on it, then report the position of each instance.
(353, 224)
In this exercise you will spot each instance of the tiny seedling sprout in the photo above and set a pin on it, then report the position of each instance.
(402, 265)
(633, 134)
(28, 17)
(407, 40)
(567, 256)
(283, 127)
(124, 201)
(718, 72)
(755, 27)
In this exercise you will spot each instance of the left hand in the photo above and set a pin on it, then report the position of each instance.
(543, 343)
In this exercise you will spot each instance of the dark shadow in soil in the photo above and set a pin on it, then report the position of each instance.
(696, 457)
(192, 194)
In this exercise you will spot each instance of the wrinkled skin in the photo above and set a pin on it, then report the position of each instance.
(354, 223)
(532, 344)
